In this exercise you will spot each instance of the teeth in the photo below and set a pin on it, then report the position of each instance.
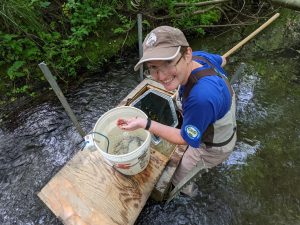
(168, 81)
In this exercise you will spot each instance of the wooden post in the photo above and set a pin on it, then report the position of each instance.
(61, 96)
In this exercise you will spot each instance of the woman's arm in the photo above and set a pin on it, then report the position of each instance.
(168, 133)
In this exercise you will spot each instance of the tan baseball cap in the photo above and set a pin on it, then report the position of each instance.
(162, 43)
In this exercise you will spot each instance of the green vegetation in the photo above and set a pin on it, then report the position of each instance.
(72, 36)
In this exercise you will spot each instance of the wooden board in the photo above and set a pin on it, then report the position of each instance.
(161, 188)
(141, 88)
(88, 191)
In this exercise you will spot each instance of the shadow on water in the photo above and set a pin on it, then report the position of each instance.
(258, 184)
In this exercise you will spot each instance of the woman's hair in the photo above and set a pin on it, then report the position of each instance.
(183, 50)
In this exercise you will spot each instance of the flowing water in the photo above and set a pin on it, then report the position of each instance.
(258, 184)
(39, 138)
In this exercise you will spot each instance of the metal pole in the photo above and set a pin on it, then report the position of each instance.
(61, 97)
(140, 36)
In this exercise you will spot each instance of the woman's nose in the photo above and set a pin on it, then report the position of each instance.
(160, 75)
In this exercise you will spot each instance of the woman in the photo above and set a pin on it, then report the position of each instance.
(205, 97)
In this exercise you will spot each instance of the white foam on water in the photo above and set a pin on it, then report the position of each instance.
(241, 152)
(247, 105)
(245, 91)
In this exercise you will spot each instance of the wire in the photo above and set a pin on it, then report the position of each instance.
(94, 132)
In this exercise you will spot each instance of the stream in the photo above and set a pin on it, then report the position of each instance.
(258, 184)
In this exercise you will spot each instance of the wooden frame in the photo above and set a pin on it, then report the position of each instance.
(89, 191)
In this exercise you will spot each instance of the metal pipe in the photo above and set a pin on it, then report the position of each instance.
(61, 97)
(140, 37)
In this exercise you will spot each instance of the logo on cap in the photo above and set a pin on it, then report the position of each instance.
(151, 40)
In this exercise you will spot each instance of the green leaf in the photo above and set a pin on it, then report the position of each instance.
(31, 52)
(146, 23)
(19, 90)
(119, 30)
(13, 73)
(45, 4)
(8, 37)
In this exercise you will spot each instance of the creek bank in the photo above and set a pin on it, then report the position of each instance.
(275, 41)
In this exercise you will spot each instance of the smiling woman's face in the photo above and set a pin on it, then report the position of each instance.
(170, 74)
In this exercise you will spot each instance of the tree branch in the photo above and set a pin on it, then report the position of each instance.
(240, 13)
(200, 3)
(179, 15)
(223, 25)
(291, 4)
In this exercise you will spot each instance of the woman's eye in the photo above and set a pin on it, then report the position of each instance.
(152, 67)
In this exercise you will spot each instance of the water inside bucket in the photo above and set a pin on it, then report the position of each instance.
(124, 142)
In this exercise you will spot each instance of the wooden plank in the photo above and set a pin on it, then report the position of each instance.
(141, 88)
(161, 188)
(88, 191)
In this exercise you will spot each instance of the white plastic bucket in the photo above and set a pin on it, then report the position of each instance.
(136, 160)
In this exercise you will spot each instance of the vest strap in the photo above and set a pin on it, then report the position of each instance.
(193, 78)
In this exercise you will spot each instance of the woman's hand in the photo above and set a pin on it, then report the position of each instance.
(171, 134)
(131, 124)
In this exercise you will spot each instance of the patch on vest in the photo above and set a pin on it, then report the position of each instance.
(192, 132)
